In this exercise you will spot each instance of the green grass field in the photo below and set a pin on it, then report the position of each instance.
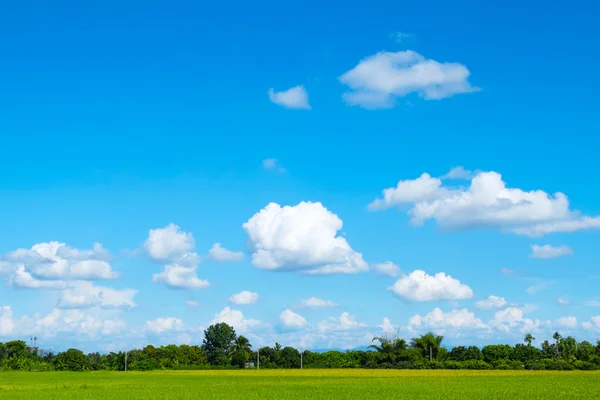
(296, 384)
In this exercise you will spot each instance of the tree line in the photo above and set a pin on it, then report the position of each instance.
(222, 348)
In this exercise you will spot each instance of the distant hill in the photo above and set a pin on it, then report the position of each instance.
(362, 348)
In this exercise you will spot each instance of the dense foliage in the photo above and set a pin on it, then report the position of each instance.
(222, 348)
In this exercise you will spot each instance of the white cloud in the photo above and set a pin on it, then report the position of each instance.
(575, 223)
(57, 261)
(594, 323)
(592, 303)
(7, 324)
(566, 322)
(547, 251)
(178, 276)
(400, 36)
(507, 318)
(192, 303)
(24, 279)
(169, 243)
(419, 286)
(459, 173)
(387, 327)
(295, 97)
(162, 325)
(538, 287)
(234, 318)
(563, 301)
(452, 321)
(272, 164)
(314, 302)
(487, 202)
(342, 323)
(378, 80)
(83, 294)
(302, 237)
(218, 253)
(292, 321)
(388, 268)
(491, 303)
(244, 297)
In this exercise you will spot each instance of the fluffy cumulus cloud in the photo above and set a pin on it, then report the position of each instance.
(162, 325)
(221, 254)
(452, 322)
(491, 303)
(378, 80)
(315, 302)
(547, 251)
(420, 286)
(56, 261)
(486, 202)
(387, 327)
(301, 237)
(295, 97)
(566, 322)
(234, 318)
(290, 320)
(512, 320)
(171, 244)
(180, 277)
(83, 294)
(592, 324)
(244, 297)
(74, 325)
(387, 268)
(344, 322)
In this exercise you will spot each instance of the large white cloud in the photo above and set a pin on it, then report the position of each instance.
(302, 237)
(378, 80)
(83, 294)
(452, 321)
(162, 325)
(234, 318)
(344, 322)
(566, 322)
(291, 321)
(178, 276)
(420, 286)
(244, 297)
(594, 323)
(295, 97)
(169, 243)
(491, 303)
(487, 202)
(548, 251)
(218, 253)
(23, 279)
(7, 324)
(57, 261)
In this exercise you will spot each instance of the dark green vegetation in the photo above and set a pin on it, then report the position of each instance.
(223, 349)
(305, 384)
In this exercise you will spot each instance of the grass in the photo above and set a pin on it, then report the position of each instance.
(305, 384)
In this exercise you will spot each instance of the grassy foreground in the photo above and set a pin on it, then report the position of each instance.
(305, 384)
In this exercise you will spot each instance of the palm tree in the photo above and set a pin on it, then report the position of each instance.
(241, 343)
(429, 344)
(528, 339)
(557, 337)
(388, 344)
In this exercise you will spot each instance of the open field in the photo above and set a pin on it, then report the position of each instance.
(306, 384)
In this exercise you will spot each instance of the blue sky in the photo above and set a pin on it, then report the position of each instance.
(118, 120)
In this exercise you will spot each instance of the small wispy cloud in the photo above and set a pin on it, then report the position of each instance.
(400, 37)
(272, 164)
(547, 251)
(296, 98)
(538, 287)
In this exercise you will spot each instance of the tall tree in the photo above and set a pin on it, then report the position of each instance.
(528, 339)
(557, 337)
(428, 344)
(218, 343)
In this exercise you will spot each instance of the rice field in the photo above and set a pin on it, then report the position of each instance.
(301, 384)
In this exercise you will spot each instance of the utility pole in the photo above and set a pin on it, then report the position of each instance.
(300, 360)
(125, 360)
(430, 353)
(257, 358)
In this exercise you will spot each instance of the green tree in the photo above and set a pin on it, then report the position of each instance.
(218, 343)
(528, 339)
(557, 337)
(71, 360)
(428, 344)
